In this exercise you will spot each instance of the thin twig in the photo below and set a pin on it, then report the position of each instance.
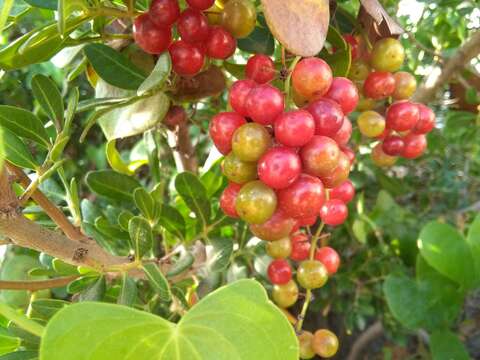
(35, 285)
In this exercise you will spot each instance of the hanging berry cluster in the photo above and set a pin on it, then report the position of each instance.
(403, 126)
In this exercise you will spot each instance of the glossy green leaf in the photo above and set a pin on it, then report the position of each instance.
(141, 235)
(145, 203)
(194, 194)
(260, 41)
(115, 160)
(112, 185)
(113, 67)
(95, 292)
(445, 345)
(182, 264)
(81, 284)
(172, 221)
(447, 251)
(128, 292)
(49, 97)
(124, 218)
(220, 254)
(48, 307)
(235, 322)
(17, 152)
(24, 124)
(65, 9)
(158, 281)
(158, 76)
(63, 268)
(473, 240)
(20, 355)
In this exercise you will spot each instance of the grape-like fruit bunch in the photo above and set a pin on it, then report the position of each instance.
(287, 169)
(198, 38)
(402, 128)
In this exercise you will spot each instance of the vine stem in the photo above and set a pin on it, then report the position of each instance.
(289, 80)
(308, 295)
(21, 320)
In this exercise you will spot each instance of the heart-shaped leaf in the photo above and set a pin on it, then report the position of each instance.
(112, 185)
(24, 124)
(300, 26)
(235, 322)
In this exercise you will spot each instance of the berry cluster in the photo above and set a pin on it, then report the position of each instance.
(403, 127)
(198, 39)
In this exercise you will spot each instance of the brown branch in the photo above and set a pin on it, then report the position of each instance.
(50, 209)
(185, 148)
(373, 331)
(471, 48)
(36, 284)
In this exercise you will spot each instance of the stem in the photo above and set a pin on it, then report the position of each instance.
(21, 320)
(289, 78)
(308, 295)
(35, 285)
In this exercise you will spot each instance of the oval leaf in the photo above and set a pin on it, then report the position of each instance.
(158, 281)
(194, 194)
(112, 185)
(49, 97)
(128, 292)
(300, 26)
(145, 203)
(172, 220)
(24, 124)
(140, 235)
(16, 151)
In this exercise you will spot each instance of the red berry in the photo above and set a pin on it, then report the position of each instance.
(279, 167)
(277, 227)
(279, 272)
(300, 247)
(334, 212)
(264, 103)
(353, 42)
(393, 145)
(343, 135)
(187, 59)
(329, 258)
(349, 153)
(192, 26)
(320, 156)
(220, 43)
(176, 116)
(304, 198)
(328, 116)
(222, 127)
(415, 145)
(238, 95)
(308, 221)
(312, 77)
(379, 85)
(149, 37)
(339, 174)
(426, 122)
(164, 13)
(260, 68)
(294, 128)
(200, 4)
(402, 116)
(227, 200)
(345, 192)
(345, 93)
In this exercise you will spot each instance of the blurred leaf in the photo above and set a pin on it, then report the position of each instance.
(360, 230)
(20, 355)
(95, 291)
(260, 41)
(213, 179)
(128, 292)
(194, 193)
(124, 218)
(48, 307)
(473, 240)
(63, 268)
(113, 67)
(182, 264)
(140, 235)
(220, 254)
(236, 70)
(44, 4)
(158, 281)
(24, 124)
(447, 346)
(111, 184)
(145, 203)
(172, 221)
(340, 59)
(65, 8)
(49, 97)
(6, 7)
(158, 76)
(9, 344)
(17, 152)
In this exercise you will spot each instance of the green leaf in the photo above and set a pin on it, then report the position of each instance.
(220, 254)
(47, 307)
(140, 235)
(236, 70)
(158, 281)
(145, 203)
(194, 194)
(95, 292)
(158, 75)
(112, 185)
(181, 265)
(447, 251)
(63, 268)
(213, 179)
(128, 292)
(115, 160)
(44, 4)
(20, 355)
(71, 109)
(124, 218)
(447, 346)
(81, 284)
(113, 67)
(236, 322)
(260, 41)
(6, 8)
(473, 240)
(9, 343)
(172, 220)
(17, 152)
(65, 9)
(24, 124)
(49, 97)
(341, 59)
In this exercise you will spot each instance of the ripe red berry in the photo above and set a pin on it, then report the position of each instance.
(393, 145)
(187, 59)
(176, 116)
(304, 198)
(200, 4)
(344, 93)
(329, 258)
(294, 128)
(238, 95)
(339, 174)
(308, 221)
(334, 212)
(227, 199)
(353, 42)
(328, 116)
(415, 145)
(260, 68)
(300, 247)
(379, 85)
(192, 26)
(312, 77)
(222, 127)
(279, 167)
(343, 135)
(220, 43)
(345, 192)
(320, 156)
(426, 121)
(402, 116)
(279, 272)
(264, 103)
(149, 37)
(277, 227)
(163, 13)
